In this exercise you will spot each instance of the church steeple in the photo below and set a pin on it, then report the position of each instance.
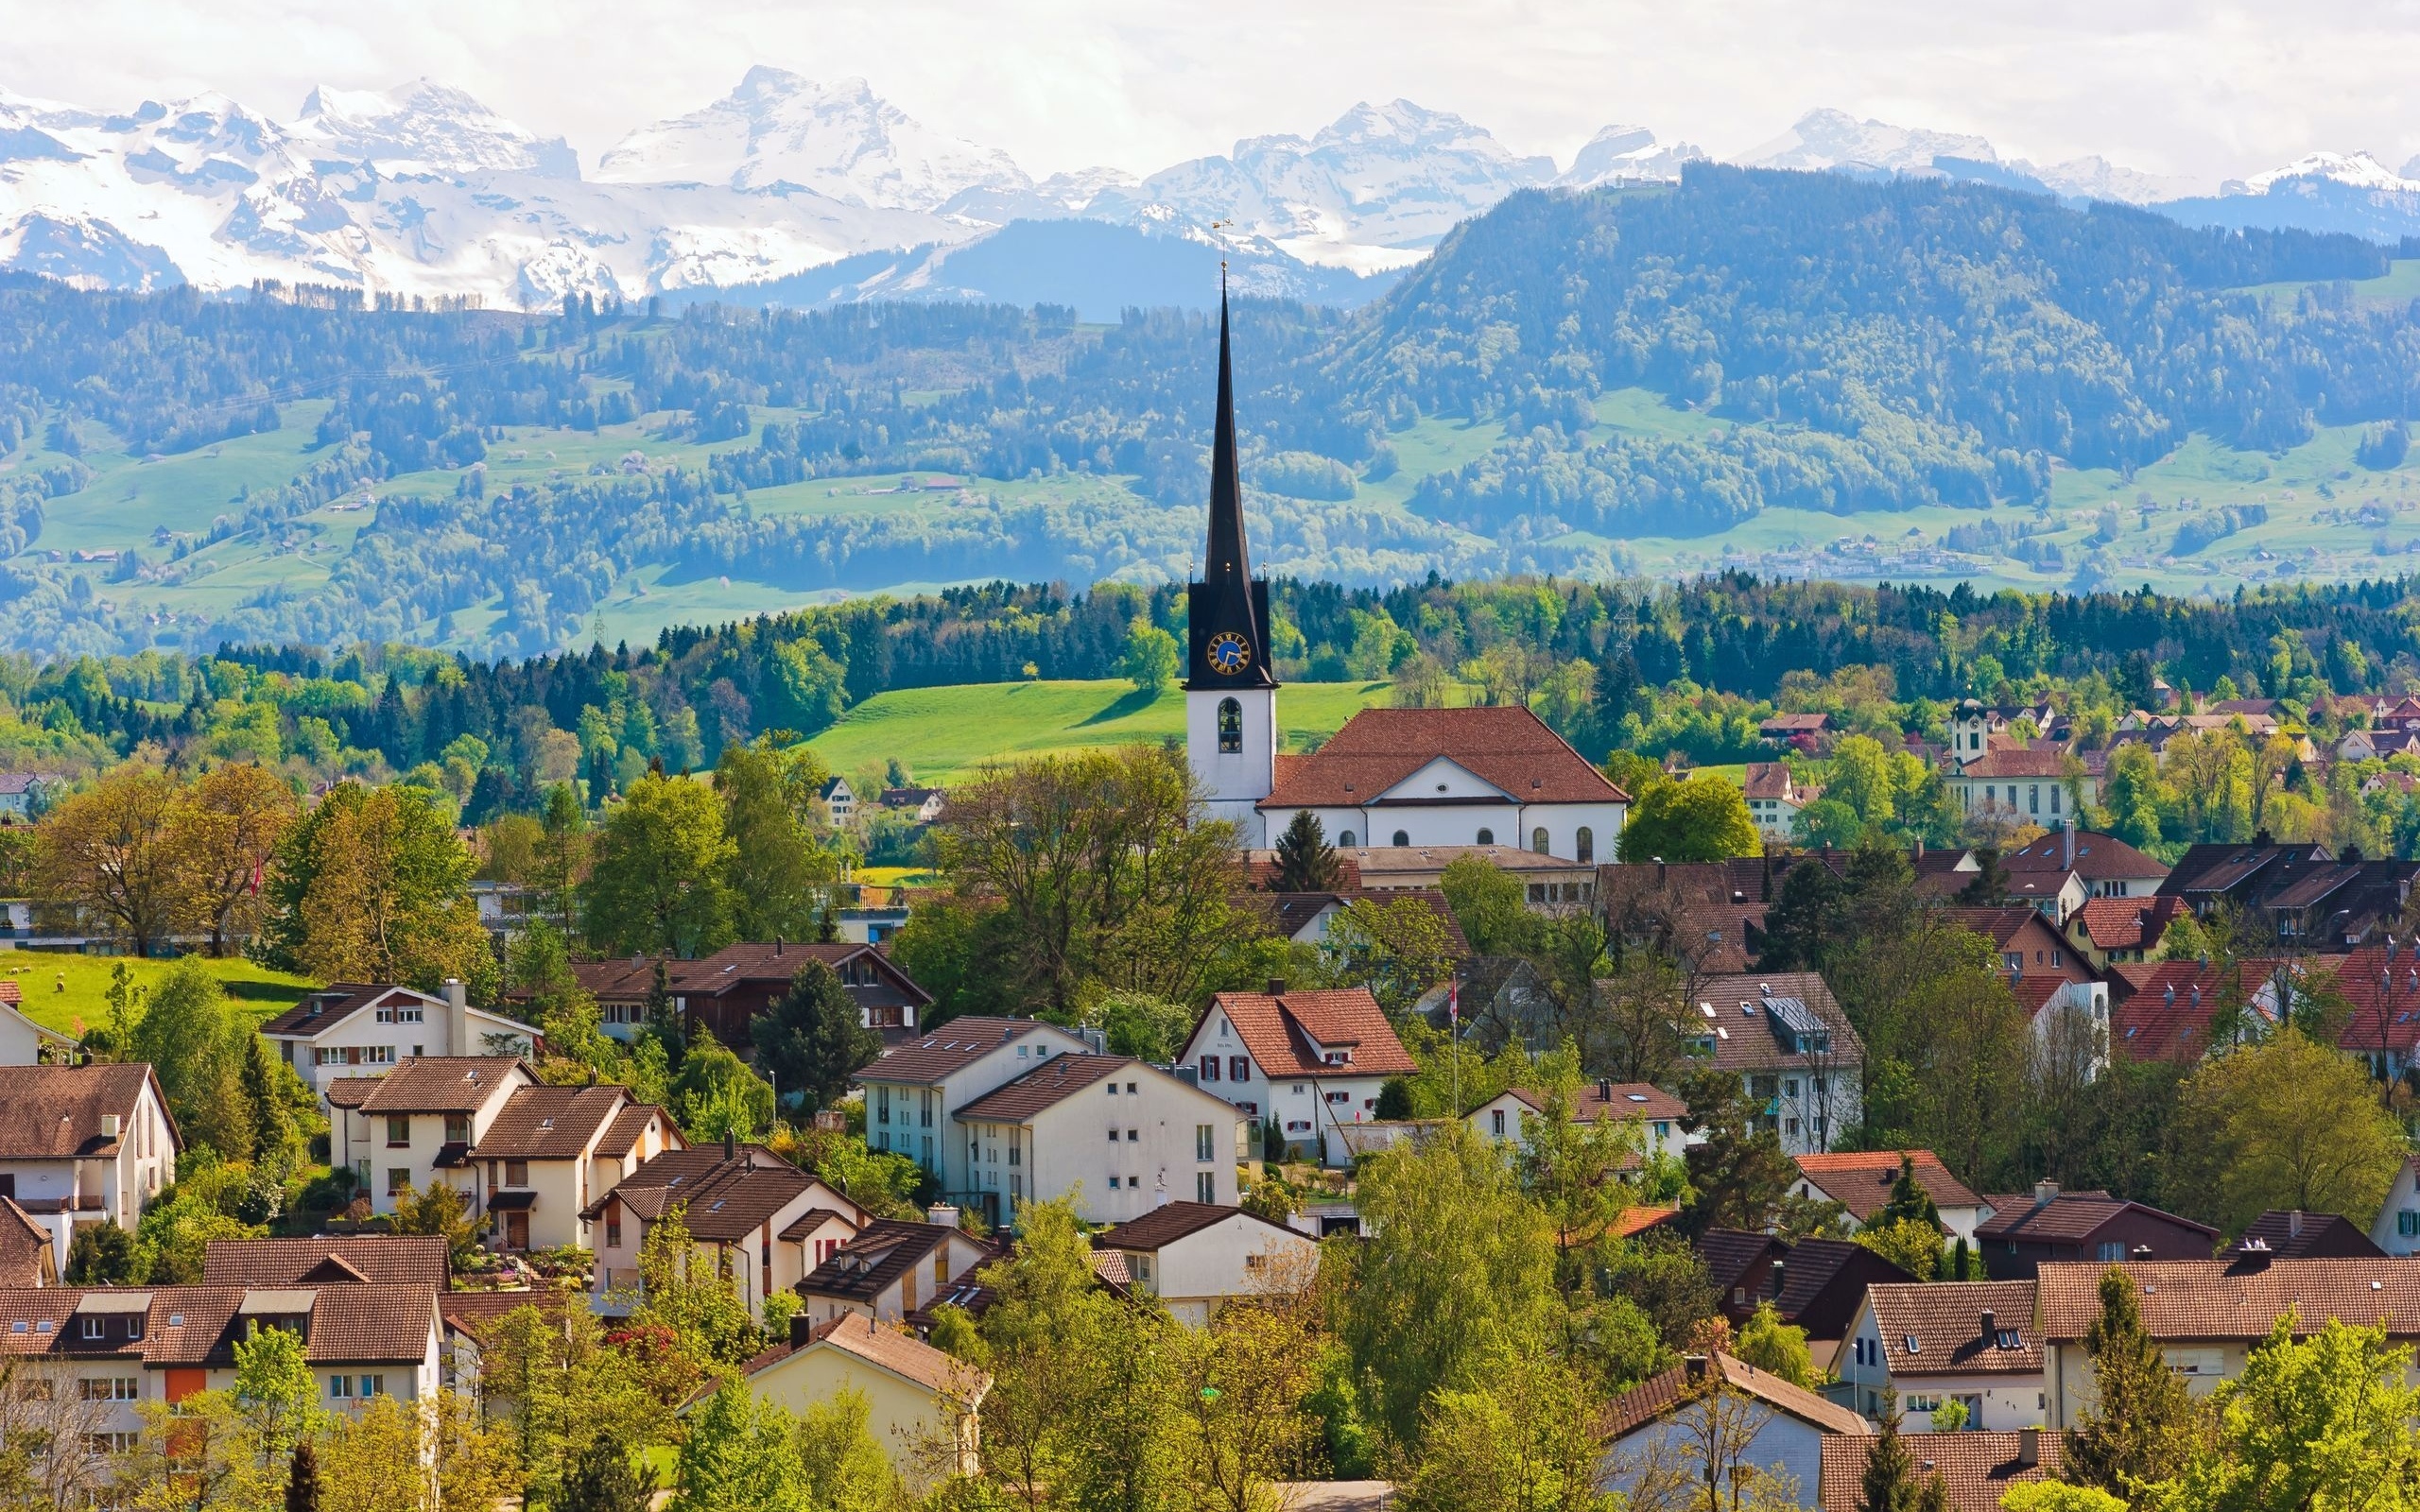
(1227, 611)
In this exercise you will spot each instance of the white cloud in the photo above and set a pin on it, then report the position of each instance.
(2157, 84)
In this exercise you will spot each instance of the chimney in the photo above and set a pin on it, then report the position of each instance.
(730, 1145)
(2068, 845)
(2028, 1447)
(1276, 987)
(802, 1330)
(2044, 1190)
(1604, 1088)
(2141, 1252)
(777, 947)
(1991, 1328)
(2294, 1224)
(943, 1214)
(457, 1017)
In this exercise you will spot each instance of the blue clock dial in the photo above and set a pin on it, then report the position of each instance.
(1229, 653)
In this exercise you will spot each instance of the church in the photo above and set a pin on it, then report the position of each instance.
(1390, 776)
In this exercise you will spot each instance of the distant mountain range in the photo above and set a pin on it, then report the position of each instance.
(791, 191)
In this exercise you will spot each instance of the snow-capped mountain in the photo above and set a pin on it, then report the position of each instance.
(1626, 154)
(2097, 178)
(778, 130)
(1372, 190)
(2355, 170)
(1837, 140)
(2349, 192)
(426, 127)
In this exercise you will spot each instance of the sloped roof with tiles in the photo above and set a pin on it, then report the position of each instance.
(445, 1084)
(1046, 1086)
(53, 1113)
(1506, 747)
(2128, 924)
(398, 1259)
(1861, 1181)
(887, 1347)
(339, 1001)
(2170, 1006)
(2099, 858)
(353, 1323)
(725, 1196)
(1291, 1033)
(956, 1045)
(889, 1248)
(1936, 1328)
(1673, 1389)
(1737, 1013)
(1165, 1225)
(2002, 761)
(2067, 1217)
(550, 1122)
(2237, 1298)
(1975, 1469)
(1600, 1102)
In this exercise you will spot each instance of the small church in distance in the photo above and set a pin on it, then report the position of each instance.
(1390, 776)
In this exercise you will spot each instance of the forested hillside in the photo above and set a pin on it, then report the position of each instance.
(1567, 376)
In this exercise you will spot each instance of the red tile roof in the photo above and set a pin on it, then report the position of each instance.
(1163, 1227)
(1943, 1323)
(444, 1084)
(1861, 1181)
(1975, 1469)
(1509, 747)
(1283, 1031)
(2128, 924)
(352, 1323)
(2169, 1006)
(1673, 1389)
(404, 1259)
(888, 1347)
(2385, 998)
(52, 1112)
(2239, 1299)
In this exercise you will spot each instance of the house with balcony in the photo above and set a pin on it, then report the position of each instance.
(1116, 1137)
(890, 1269)
(419, 1123)
(366, 1029)
(1786, 1038)
(551, 1151)
(84, 1145)
(1305, 1065)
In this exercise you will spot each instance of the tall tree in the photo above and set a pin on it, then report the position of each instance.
(560, 862)
(2289, 1124)
(2143, 1426)
(223, 838)
(777, 875)
(1889, 1481)
(602, 1479)
(1306, 862)
(1739, 1172)
(814, 1037)
(302, 1479)
(110, 851)
(1698, 818)
(374, 886)
(197, 1044)
(659, 884)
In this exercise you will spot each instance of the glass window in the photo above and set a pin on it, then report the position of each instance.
(1231, 727)
(1538, 840)
(1345, 838)
(1403, 837)
(1486, 836)
(1586, 845)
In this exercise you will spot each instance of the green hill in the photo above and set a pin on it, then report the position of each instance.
(942, 735)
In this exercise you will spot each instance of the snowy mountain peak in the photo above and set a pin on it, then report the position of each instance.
(426, 127)
(1626, 154)
(1835, 139)
(2097, 178)
(2357, 169)
(779, 129)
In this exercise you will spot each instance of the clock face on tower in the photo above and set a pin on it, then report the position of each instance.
(1229, 653)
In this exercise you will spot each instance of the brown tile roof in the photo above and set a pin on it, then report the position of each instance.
(9, 992)
(399, 1260)
(1999, 925)
(1260, 870)
(888, 1249)
(474, 1313)
(338, 1002)
(1163, 1227)
(745, 963)
(1731, 1010)
(350, 1323)
(51, 1112)
(1770, 780)
(1946, 1321)
(1861, 1181)
(2128, 924)
(1046, 1086)
(726, 1199)
(2098, 858)
(1730, 1254)
(1599, 1101)
(2307, 1236)
(622, 1135)
(950, 1048)
(1793, 724)
(348, 1091)
(2067, 1217)
(1975, 1469)
(550, 1122)
(890, 1348)
(26, 1255)
(1658, 1398)
(1281, 1032)
(1813, 1266)
(1508, 747)
(2238, 1299)
(443, 1083)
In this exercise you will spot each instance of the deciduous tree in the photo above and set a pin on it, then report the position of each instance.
(2289, 1124)
(111, 851)
(659, 883)
(223, 838)
(1698, 818)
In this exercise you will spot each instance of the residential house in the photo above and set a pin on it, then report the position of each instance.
(23, 795)
(1659, 1115)
(2018, 787)
(921, 1406)
(84, 1145)
(1196, 1257)
(840, 800)
(725, 991)
(1110, 1133)
(2207, 1316)
(890, 1269)
(1775, 798)
(1939, 1341)
(1654, 1432)
(2300, 894)
(1862, 1182)
(2113, 932)
(2023, 1233)
(1306, 1064)
(912, 1091)
(1804, 731)
(1976, 1469)
(330, 1259)
(922, 804)
(356, 1029)
(1436, 778)
(1306, 917)
(2064, 1002)
(2061, 871)
(2025, 942)
(2381, 985)
(755, 1217)
(2296, 1235)
(23, 1042)
(1785, 1037)
(28, 1253)
(2171, 1010)
(418, 1124)
(1813, 1284)
(2398, 1229)
(549, 1152)
(122, 1347)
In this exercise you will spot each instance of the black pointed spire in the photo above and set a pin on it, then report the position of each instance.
(1227, 560)
(1227, 611)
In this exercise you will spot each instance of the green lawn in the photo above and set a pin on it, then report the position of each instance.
(2398, 285)
(942, 734)
(69, 992)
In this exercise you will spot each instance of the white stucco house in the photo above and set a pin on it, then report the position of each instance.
(1308, 1064)
(419, 1122)
(1507, 1116)
(1116, 1137)
(355, 1029)
(84, 1145)
(1973, 1343)
(1197, 1257)
(912, 1092)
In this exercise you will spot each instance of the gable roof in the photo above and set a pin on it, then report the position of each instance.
(1600, 1102)
(1045, 1086)
(1975, 1469)
(2307, 1236)
(1281, 1031)
(1734, 1013)
(443, 1083)
(2003, 761)
(1293, 912)
(353, 1323)
(2169, 1009)
(1813, 1264)
(2099, 857)
(888, 1349)
(2237, 1298)
(545, 1123)
(1165, 1225)
(26, 1255)
(396, 1260)
(53, 1113)
(1507, 747)
(1673, 1390)
(1945, 1322)
(2128, 924)
(1861, 1181)
(745, 963)
(725, 1197)
(2067, 1217)
(622, 1135)
(951, 1048)
(887, 1249)
(1730, 1254)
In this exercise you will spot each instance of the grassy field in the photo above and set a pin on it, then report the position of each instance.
(2398, 285)
(942, 734)
(69, 992)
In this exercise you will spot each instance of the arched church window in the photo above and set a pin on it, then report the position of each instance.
(1486, 836)
(1345, 839)
(1586, 845)
(1402, 839)
(1231, 727)
(1538, 840)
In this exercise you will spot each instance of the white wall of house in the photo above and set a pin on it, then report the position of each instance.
(1118, 1154)
(914, 1119)
(1780, 1446)
(2398, 1229)
(91, 1187)
(1308, 1110)
(1505, 1118)
(388, 1150)
(1996, 1401)
(374, 1041)
(1239, 1256)
(1810, 1108)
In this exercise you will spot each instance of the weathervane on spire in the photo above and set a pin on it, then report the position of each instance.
(1216, 226)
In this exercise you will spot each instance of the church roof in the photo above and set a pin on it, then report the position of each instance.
(1227, 611)
(1508, 747)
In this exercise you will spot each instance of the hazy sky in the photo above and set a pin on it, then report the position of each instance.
(2162, 85)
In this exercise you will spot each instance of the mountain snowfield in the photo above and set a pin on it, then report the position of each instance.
(421, 191)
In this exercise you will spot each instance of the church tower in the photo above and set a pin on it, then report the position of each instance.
(1230, 684)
